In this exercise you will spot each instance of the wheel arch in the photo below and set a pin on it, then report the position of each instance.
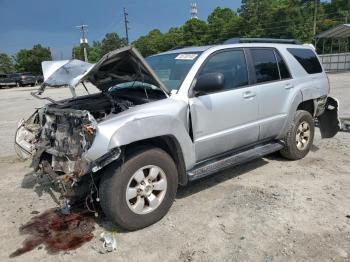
(308, 105)
(170, 145)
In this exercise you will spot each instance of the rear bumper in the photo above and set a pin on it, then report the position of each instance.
(27, 81)
(329, 122)
(8, 84)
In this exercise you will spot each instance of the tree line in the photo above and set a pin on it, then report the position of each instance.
(255, 18)
(25, 60)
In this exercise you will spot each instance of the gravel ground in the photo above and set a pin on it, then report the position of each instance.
(267, 210)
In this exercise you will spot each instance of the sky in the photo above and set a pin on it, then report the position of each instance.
(51, 23)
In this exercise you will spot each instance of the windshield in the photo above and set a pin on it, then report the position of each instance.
(172, 68)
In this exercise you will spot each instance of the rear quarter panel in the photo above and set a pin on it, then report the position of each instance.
(306, 86)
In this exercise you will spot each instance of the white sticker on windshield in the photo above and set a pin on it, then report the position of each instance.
(186, 56)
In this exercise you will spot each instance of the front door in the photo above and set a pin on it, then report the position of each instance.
(228, 119)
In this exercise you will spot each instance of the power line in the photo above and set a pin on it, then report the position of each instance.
(126, 22)
(83, 39)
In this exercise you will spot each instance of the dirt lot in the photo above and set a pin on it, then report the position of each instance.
(267, 210)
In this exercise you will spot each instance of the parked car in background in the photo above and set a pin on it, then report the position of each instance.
(24, 79)
(39, 79)
(6, 80)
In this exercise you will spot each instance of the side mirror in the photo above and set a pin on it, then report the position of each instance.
(209, 83)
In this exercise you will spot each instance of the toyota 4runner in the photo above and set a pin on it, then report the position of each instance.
(170, 119)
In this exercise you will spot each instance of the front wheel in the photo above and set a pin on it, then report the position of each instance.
(299, 137)
(139, 192)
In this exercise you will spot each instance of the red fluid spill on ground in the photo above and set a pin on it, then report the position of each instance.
(57, 232)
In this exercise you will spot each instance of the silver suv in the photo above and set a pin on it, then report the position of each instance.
(170, 119)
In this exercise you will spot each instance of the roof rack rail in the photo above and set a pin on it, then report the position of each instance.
(177, 47)
(262, 40)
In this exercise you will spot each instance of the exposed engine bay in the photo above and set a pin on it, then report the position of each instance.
(58, 135)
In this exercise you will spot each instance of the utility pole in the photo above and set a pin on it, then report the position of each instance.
(315, 17)
(346, 16)
(83, 39)
(126, 22)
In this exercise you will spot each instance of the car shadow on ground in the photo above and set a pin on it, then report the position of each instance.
(220, 177)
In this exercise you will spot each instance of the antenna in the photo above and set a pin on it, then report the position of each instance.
(194, 11)
(126, 22)
(83, 39)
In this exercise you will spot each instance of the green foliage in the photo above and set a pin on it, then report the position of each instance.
(223, 23)
(195, 32)
(111, 42)
(6, 64)
(255, 18)
(30, 60)
(151, 43)
(95, 52)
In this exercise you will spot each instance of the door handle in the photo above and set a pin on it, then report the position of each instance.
(248, 94)
(288, 86)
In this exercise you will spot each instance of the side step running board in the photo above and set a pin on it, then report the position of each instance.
(228, 160)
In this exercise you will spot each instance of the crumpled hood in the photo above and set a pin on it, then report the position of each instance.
(120, 66)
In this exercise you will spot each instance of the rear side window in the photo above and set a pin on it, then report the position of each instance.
(232, 65)
(308, 59)
(265, 65)
(284, 72)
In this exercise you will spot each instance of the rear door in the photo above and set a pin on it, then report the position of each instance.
(225, 120)
(274, 84)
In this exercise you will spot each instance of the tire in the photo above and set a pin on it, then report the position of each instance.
(302, 127)
(118, 178)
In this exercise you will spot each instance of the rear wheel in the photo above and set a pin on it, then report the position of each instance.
(139, 192)
(299, 137)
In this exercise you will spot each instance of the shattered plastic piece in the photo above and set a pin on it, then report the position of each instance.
(109, 241)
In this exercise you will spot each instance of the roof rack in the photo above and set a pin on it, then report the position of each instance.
(177, 47)
(262, 40)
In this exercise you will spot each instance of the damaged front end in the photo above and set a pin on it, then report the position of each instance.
(58, 136)
(57, 140)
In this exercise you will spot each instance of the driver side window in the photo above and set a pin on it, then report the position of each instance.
(231, 64)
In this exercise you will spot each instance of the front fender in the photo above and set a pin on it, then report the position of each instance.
(162, 118)
(150, 127)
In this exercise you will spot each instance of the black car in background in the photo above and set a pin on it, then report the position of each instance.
(39, 79)
(24, 79)
(7, 80)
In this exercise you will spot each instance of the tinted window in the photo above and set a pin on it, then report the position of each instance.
(307, 58)
(282, 66)
(265, 65)
(232, 65)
